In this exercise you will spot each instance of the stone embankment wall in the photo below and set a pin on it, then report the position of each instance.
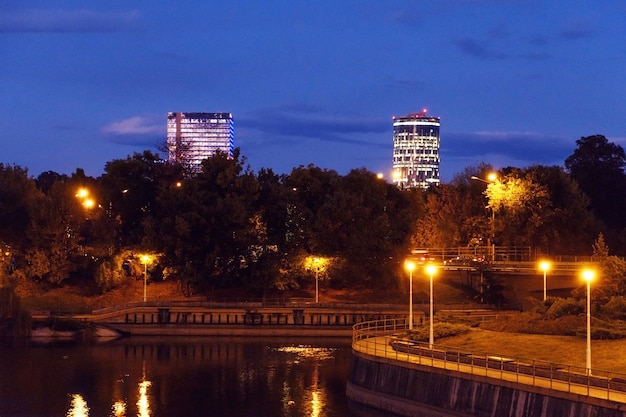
(404, 389)
(186, 320)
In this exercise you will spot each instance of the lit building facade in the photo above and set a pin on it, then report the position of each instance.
(193, 137)
(416, 150)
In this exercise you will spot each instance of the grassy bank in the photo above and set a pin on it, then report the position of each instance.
(609, 355)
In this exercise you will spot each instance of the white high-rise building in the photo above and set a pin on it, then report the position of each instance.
(193, 137)
(416, 150)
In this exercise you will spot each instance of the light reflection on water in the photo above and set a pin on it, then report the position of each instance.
(78, 407)
(157, 377)
(118, 409)
(314, 395)
(143, 403)
(307, 351)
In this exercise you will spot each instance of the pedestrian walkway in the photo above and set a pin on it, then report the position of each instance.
(381, 338)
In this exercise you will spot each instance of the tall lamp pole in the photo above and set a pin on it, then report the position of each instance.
(410, 266)
(491, 178)
(145, 259)
(317, 280)
(431, 270)
(545, 266)
(588, 275)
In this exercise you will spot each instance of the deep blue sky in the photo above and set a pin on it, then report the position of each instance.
(515, 82)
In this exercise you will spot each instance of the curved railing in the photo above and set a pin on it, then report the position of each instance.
(387, 338)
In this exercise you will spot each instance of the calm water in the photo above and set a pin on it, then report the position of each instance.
(170, 377)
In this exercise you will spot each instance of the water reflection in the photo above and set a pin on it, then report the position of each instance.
(118, 409)
(155, 377)
(317, 396)
(142, 404)
(313, 394)
(78, 407)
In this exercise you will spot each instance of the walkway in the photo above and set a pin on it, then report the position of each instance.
(379, 339)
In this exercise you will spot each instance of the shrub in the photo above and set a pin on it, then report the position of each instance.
(603, 333)
(615, 308)
(565, 307)
(440, 330)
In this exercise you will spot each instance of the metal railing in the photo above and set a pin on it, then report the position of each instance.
(387, 338)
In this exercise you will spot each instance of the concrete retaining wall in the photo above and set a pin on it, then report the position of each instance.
(148, 320)
(404, 389)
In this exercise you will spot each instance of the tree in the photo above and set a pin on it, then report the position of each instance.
(519, 205)
(208, 229)
(366, 223)
(612, 272)
(441, 225)
(129, 189)
(54, 240)
(566, 205)
(598, 167)
(610, 281)
(456, 214)
(18, 194)
(310, 189)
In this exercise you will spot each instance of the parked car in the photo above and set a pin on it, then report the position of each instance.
(465, 260)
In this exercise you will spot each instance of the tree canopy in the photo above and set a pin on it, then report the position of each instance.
(227, 227)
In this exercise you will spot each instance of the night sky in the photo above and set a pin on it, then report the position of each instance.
(515, 82)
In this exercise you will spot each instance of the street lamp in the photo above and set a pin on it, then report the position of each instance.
(431, 270)
(545, 266)
(491, 178)
(410, 266)
(145, 259)
(83, 195)
(316, 263)
(588, 275)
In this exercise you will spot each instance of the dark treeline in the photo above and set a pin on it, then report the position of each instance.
(228, 227)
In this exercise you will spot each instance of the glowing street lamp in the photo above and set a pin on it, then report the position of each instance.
(588, 275)
(491, 178)
(88, 203)
(83, 195)
(431, 270)
(316, 264)
(145, 259)
(410, 266)
(545, 266)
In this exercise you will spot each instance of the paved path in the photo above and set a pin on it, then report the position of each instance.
(379, 346)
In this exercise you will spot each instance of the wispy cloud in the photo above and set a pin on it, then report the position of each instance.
(502, 149)
(404, 84)
(477, 49)
(68, 21)
(136, 125)
(304, 121)
(540, 148)
(575, 30)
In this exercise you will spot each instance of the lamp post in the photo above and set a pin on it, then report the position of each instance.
(491, 178)
(588, 275)
(410, 266)
(316, 262)
(431, 270)
(145, 259)
(545, 266)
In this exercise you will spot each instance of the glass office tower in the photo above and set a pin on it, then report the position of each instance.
(416, 150)
(192, 137)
